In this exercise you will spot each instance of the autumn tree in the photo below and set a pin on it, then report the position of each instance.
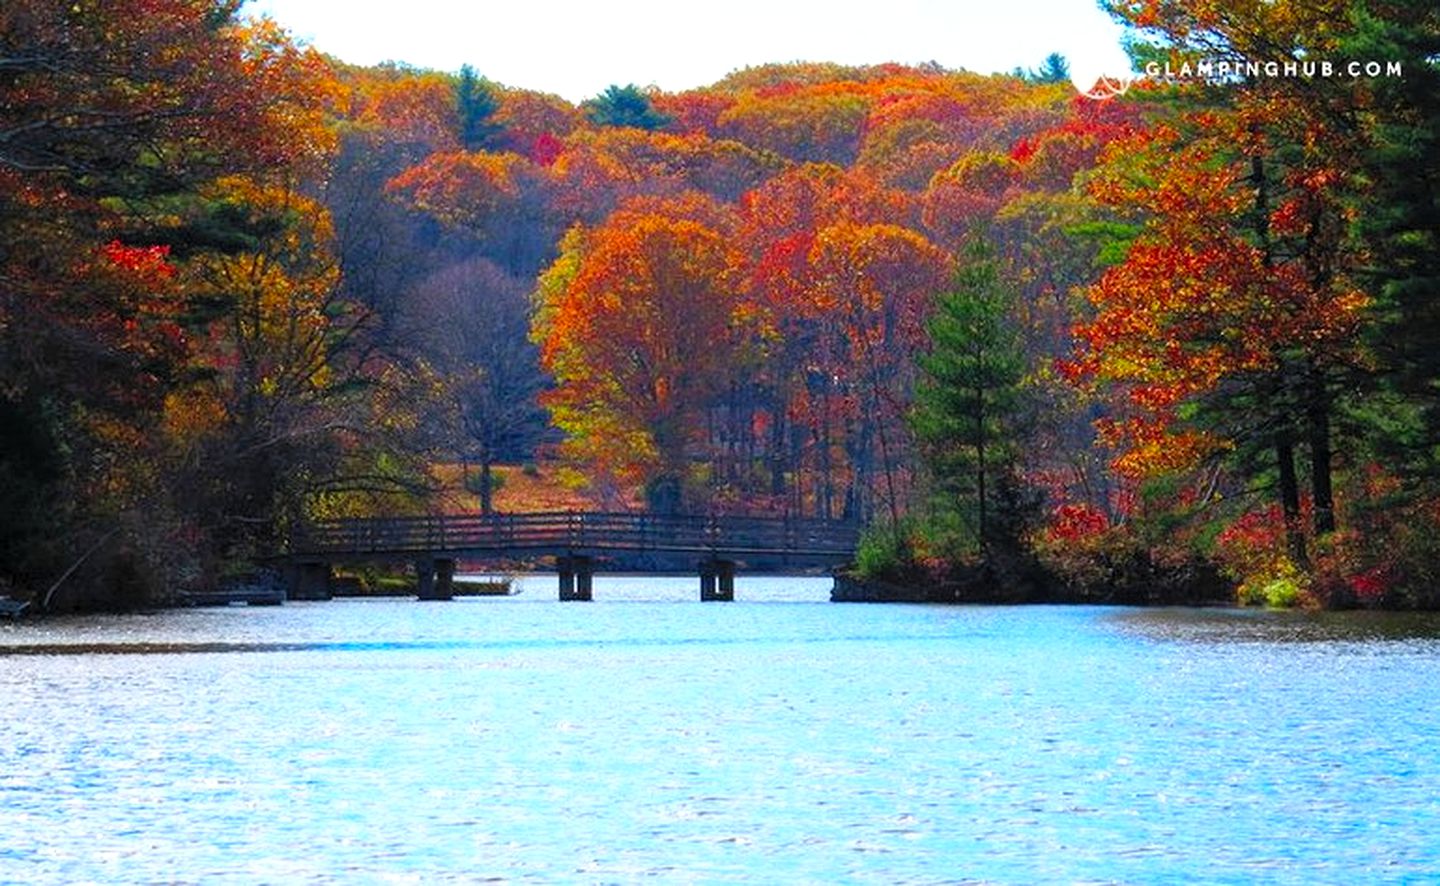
(535, 124)
(694, 111)
(968, 194)
(278, 387)
(820, 124)
(910, 136)
(497, 198)
(415, 109)
(1048, 239)
(1315, 148)
(803, 383)
(640, 322)
(1221, 300)
(112, 116)
(595, 171)
(383, 246)
(874, 284)
(475, 320)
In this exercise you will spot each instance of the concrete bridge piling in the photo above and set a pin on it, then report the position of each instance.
(435, 578)
(717, 579)
(577, 578)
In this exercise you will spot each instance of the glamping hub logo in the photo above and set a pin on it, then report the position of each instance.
(1101, 75)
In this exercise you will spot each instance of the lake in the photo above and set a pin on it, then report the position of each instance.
(779, 738)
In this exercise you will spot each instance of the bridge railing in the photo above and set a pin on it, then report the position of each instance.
(578, 531)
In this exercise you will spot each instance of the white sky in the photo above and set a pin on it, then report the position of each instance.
(575, 49)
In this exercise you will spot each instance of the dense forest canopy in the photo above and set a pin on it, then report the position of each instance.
(1020, 333)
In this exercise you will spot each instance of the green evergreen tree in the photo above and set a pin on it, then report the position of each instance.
(1055, 69)
(624, 106)
(476, 104)
(1400, 229)
(968, 398)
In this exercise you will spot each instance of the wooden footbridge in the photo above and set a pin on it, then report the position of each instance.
(579, 543)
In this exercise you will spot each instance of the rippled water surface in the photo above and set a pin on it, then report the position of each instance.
(779, 738)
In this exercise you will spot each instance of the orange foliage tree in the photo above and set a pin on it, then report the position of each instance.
(639, 321)
(113, 116)
(819, 124)
(875, 285)
(798, 406)
(1230, 311)
(416, 109)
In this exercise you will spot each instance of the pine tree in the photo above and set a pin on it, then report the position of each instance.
(1400, 229)
(969, 395)
(1055, 69)
(476, 104)
(624, 106)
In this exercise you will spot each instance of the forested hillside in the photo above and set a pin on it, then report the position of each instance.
(1058, 345)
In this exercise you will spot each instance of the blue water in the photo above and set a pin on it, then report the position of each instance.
(779, 738)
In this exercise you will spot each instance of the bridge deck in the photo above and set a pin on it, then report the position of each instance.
(558, 534)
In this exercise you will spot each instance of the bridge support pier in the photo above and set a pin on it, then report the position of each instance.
(577, 575)
(435, 579)
(445, 579)
(308, 581)
(717, 580)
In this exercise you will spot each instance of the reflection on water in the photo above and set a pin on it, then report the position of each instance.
(1270, 626)
(776, 739)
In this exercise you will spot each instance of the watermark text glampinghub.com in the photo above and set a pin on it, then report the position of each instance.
(1231, 71)
(1228, 70)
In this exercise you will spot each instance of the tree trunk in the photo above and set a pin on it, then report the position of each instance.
(887, 464)
(1321, 482)
(858, 458)
(1284, 443)
(827, 478)
(801, 483)
(980, 469)
(1290, 499)
(777, 450)
(486, 498)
